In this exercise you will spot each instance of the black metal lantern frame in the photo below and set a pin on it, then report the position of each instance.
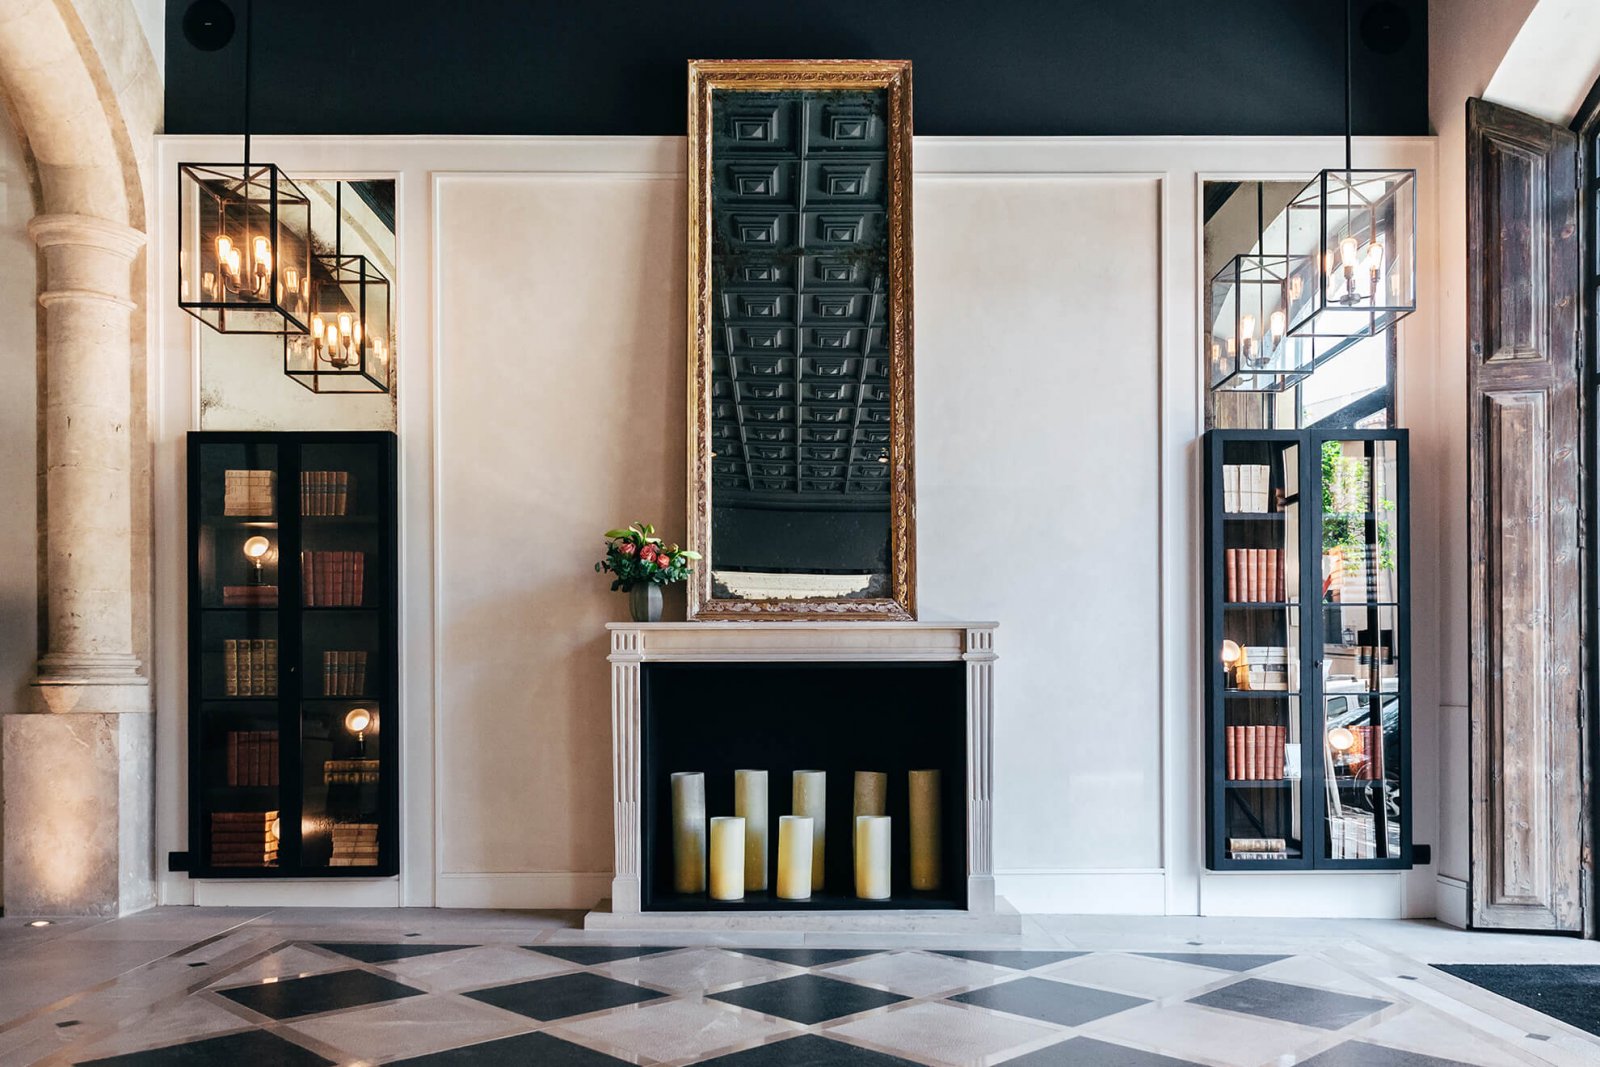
(244, 247)
(349, 345)
(1251, 350)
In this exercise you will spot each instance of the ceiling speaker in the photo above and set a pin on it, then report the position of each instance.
(208, 25)
(1385, 27)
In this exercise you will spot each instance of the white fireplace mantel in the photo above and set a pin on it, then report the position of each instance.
(634, 644)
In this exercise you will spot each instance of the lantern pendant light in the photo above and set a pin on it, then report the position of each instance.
(349, 347)
(1251, 348)
(244, 239)
(1350, 240)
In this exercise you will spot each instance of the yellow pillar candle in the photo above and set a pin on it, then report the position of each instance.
(727, 858)
(926, 859)
(872, 857)
(750, 804)
(811, 799)
(871, 796)
(794, 857)
(689, 832)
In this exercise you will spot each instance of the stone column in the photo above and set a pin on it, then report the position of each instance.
(78, 769)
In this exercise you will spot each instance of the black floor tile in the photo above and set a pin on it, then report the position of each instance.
(1321, 1008)
(1016, 960)
(1361, 1054)
(372, 952)
(564, 995)
(519, 1051)
(1569, 992)
(807, 1050)
(808, 998)
(1087, 1052)
(807, 957)
(294, 997)
(1227, 961)
(256, 1048)
(1056, 1002)
(588, 955)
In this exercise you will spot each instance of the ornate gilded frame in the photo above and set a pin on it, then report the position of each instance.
(705, 76)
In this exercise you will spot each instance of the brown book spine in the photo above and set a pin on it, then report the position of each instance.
(1255, 754)
(1280, 748)
(1260, 575)
(1272, 574)
(1282, 590)
(342, 500)
(308, 579)
(360, 578)
(233, 757)
(1230, 567)
(1233, 769)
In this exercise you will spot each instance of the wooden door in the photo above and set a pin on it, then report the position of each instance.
(1524, 479)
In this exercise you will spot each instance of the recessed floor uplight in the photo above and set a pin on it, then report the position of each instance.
(40, 922)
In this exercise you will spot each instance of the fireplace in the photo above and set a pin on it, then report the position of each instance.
(786, 696)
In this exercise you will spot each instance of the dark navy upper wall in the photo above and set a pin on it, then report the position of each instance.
(981, 67)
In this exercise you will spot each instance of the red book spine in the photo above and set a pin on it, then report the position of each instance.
(1230, 562)
(1260, 575)
(360, 578)
(1283, 593)
(1249, 753)
(1229, 734)
(1272, 575)
(1283, 736)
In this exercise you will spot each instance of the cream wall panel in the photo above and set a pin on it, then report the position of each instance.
(560, 327)
(1038, 496)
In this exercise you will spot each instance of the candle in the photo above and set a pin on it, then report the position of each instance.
(872, 787)
(794, 857)
(750, 804)
(811, 799)
(872, 857)
(926, 860)
(688, 831)
(727, 858)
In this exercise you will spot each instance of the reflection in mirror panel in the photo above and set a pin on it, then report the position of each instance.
(800, 371)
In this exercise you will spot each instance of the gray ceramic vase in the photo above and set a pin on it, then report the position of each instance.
(644, 602)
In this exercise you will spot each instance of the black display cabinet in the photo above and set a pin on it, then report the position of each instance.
(1308, 673)
(292, 655)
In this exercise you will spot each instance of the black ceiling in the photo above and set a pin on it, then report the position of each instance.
(1041, 67)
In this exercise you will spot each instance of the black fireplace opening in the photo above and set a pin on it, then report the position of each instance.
(782, 717)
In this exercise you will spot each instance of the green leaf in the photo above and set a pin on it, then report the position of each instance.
(686, 554)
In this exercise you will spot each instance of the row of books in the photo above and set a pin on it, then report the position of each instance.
(1352, 836)
(349, 772)
(1262, 668)
(344, 674)
(1261, 754)
(333, 579)
(252, 757)
(1258, 848)
(249, 492)
(324, 492)
(250, 667)
(1247, 489)
(244, 838)
(1254, 575)
(355, 844)
(249, 596)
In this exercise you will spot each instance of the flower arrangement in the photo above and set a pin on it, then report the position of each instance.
(636, 556)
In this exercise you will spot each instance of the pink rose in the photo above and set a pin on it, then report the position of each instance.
(625, 547)
(648, 553)
(664, 562)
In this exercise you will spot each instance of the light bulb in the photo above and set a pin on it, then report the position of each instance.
(1341, 739)
(224, 249)
(256, 548)
(1375, 255)
(1247, 327)
(1347, 253)
(1231, 652)
(234, 263)
(261, 252)
(355, 333)
(316, 328)
(358, 720)
(1277, 324)
(291, 279)
(344, 323)
(332, 336)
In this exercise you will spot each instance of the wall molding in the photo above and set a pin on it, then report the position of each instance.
(1080, 891)
(533, 890)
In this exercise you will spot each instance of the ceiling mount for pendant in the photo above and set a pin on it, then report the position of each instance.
(349, 346)
(244, 236)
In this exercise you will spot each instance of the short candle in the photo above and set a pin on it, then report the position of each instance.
(727, 858)
(794, 857)
(872, 857)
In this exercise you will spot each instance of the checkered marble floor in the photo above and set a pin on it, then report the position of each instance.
(250, 997)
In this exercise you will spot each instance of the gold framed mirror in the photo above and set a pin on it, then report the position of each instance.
(801, 435)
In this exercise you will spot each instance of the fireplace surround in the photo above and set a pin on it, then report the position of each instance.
(783, 696)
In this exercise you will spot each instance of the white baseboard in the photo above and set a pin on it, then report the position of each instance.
(531, 890)
(1304, 895)
(294, 893)
(1452, 902)
(1068, 891)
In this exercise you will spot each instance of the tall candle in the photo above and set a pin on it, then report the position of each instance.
(872, 857)
(689, 832)
(750, 804)
(926, 860)
(727, 858)
(872, 791)
(794, 857)
(811, 799)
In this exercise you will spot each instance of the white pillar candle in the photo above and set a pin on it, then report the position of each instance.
(871, 797)
(750, 804)
(811, 799)
(872, 857)
(689, 832)
(727, 858)
(794, 857)
(926, 859)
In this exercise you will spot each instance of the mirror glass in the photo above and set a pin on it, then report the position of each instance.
(242, 380)
(1352, 390)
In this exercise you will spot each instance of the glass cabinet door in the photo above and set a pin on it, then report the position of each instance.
(234, 664)
(1258, 807)
(1360, 652)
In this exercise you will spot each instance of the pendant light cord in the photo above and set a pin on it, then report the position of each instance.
(249, 11)
(1349, 32)
(338, 223)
